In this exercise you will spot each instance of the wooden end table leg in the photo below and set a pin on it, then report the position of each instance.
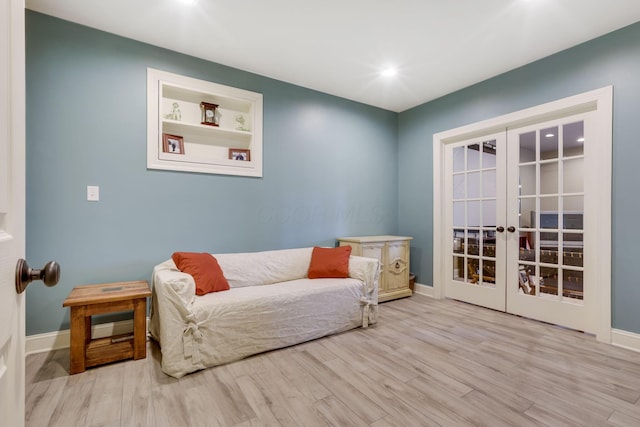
(140, 328)
(78, 339)
(87, 330)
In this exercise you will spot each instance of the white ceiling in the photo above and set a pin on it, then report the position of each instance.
(340, 46)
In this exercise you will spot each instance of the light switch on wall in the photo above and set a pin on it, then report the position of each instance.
(93, 193)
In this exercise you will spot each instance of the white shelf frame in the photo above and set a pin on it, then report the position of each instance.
(206, 147)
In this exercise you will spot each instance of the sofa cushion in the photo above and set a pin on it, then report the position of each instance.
(329, 262)
(264, 268)
(204, 269)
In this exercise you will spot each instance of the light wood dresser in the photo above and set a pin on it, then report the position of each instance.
(393, 254)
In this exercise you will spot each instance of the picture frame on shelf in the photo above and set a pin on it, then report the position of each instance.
(240, 154)
(173, 144)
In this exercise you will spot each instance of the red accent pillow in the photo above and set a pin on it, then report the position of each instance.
(329, 262)
(204, 269)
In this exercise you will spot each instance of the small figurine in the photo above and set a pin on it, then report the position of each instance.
(175, 113)
(240, 121)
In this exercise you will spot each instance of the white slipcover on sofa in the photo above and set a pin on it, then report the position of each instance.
(271, 304)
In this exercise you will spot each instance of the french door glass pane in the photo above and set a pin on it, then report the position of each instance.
(573, 181)
(473, 213)
(549, 143)
(458, 187)
(549, 178)
(489, 245)
(572, 250)
(527, 246)
(573, 139)
(488, 274)
(573, 209)
(528, 180)
(526, 282)
(489, 158)
(549, 248)
(527, 212)
(572, 284)
(458, 159)
(489, 213)
(549, 205)
(473, 242)
(489, 183)
(458, 241)
(458, 214)
(473, 185)
(528, 147)
(458, 268)
(549, 280)
(473, 157)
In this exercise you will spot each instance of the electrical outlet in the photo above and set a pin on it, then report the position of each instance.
(93, 193)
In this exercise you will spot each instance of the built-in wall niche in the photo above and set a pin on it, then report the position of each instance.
(199, 126)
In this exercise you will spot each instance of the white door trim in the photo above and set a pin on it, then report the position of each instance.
(601, 102)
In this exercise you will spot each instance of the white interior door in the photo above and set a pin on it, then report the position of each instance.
(12, 211)
(550, 257)
(475, 207)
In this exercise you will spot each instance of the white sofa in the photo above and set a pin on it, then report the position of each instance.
(271, 304)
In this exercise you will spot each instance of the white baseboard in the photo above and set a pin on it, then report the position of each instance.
(421, 289)
(60, 339)
(624, 339)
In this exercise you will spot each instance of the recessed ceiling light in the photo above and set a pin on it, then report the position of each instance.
(549, 135)
(388, 72)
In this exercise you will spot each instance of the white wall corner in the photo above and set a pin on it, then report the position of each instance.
(425, 290)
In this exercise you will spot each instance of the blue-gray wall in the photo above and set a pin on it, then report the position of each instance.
(613, 59)
(330, 167)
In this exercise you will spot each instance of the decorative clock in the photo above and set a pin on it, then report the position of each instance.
(209, 116)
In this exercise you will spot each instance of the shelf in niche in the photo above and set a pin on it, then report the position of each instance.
(206, 148)
(180, 127)
(196, 97)
(202, 160)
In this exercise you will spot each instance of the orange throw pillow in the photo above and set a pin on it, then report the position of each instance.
(204, 269)
(329, 262)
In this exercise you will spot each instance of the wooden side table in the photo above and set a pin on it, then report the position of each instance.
(88, 300)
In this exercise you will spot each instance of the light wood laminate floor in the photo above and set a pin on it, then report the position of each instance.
(426, 362)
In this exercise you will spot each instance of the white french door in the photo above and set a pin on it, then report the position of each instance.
(520, 218)
(550, 252)
(475, 207)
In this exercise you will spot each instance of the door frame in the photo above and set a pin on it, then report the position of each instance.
(600, 101)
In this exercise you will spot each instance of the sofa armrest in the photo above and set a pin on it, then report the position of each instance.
(182, 284)
(367, 270)
(173, 323)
